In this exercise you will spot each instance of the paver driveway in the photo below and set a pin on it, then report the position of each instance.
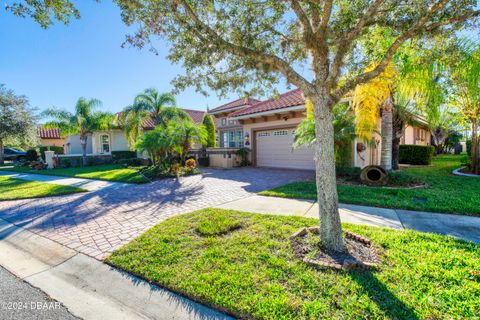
(98, 222)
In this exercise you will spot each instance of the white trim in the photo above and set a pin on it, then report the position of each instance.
(269, 112)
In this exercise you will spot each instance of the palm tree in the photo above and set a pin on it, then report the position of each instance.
(403, 114)
(343, 127)
(187, 134)
(161, 105)
(465, 78)
(371, 99)
(83, 122)
(158, 143)
(133, 119)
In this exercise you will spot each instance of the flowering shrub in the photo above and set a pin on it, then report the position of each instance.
(175, 168)
(190, 164)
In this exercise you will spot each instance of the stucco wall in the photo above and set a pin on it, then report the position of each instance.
(52, 142)
(73, 145)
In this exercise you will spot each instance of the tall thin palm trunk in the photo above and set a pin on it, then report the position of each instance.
(387, 134)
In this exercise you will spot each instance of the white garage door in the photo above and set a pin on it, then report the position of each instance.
(274, 149)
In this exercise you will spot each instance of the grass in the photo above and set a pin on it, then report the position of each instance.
(108, 172)
(13, 189)
(445, 193)
(251, 272)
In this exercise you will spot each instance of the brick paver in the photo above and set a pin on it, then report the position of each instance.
(98, 222)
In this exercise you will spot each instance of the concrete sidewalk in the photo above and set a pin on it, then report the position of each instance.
(89, 288)
(88, 184)
(464, 227)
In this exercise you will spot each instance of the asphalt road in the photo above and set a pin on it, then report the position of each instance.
(19, 300)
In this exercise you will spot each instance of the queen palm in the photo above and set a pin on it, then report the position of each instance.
(83, 122)
(161, 105)
(132, 120)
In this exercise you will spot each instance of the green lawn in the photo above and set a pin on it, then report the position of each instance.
(13, 189)
(251, 271)
(446, 192)
(109, 172)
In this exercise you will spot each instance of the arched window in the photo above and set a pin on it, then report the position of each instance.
(105, 143)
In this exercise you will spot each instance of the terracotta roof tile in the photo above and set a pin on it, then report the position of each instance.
(52, 133)
(289, 99)
(235, 104)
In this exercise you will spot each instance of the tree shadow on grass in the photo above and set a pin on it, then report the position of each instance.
(388, 302)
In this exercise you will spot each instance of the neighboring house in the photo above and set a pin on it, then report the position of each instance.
(50, 137)
(267, 128)
(104, 142)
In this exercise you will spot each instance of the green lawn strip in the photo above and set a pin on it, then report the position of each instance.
(251, 271)
(108, 172)
(446, 192)
(13, 189)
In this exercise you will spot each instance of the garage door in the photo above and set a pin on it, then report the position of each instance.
(274, 149)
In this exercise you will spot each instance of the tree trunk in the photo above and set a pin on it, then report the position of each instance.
(396, 153)
(475, 151)
(330, 226)
(83, 142)
(2, 160)
(387, 134)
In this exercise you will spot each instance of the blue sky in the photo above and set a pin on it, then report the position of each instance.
(55, 67)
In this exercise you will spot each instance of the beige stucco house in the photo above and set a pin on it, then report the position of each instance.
(104, 142)
(267, 128)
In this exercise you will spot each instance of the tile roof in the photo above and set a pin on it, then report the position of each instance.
(235, 104)
(52, 133)
(289, 99)
(195, 115)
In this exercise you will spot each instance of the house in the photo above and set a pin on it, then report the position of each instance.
(104, 142)
(267, 129)
(50, 137)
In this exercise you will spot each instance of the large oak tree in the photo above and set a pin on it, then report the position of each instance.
(229, 45)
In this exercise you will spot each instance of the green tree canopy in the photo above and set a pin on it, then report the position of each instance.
(44, 12)
(18, 122)
(231, 45)
(209, 125)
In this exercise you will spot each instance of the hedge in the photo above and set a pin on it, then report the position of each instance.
(416, 154)
(121, 155)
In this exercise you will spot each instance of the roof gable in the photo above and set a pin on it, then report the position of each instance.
(289, 99)
(243, 102)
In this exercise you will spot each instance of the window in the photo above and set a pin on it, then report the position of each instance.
(232, 139)
(105, 143)
(224, 121)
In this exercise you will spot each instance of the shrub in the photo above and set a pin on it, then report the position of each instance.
(99, 160)
(66, 162)
(122, 155)
(32, 155)
(134, 162)
(349, 173)
(175, 168)
(243, 154)
(190, 164)
(204, 161)
(416, 154)
(469, 147)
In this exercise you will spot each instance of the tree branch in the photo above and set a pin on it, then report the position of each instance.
(346, 42)
(367, 76)
(307, 26)
(275, 62)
